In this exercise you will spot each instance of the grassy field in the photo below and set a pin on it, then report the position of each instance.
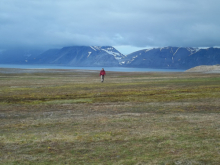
(69, 117)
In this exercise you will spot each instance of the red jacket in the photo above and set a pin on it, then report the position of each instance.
(102, 72)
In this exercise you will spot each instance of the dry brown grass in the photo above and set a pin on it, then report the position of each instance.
(69, 117)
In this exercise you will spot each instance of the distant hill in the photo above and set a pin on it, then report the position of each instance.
(205, 69)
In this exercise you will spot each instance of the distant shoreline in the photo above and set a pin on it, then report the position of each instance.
(115, 69)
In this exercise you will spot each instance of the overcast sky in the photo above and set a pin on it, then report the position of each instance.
(128, 25)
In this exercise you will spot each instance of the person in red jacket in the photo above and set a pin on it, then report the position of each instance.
(102, 74)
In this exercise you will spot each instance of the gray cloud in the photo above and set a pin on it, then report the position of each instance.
(121, 23)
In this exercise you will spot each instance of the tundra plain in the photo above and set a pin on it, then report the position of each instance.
(70, 117)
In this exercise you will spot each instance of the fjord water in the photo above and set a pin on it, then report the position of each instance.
(118, 69)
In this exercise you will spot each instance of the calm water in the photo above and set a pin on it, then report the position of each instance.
(119, 69)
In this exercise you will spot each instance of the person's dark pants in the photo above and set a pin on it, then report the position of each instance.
(102, 78)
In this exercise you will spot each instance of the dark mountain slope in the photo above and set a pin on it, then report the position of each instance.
(81, 56)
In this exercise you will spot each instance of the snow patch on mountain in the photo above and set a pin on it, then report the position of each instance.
(133, 58)
(112, 51)
(176, 51)
(148, 50)
(192, 50)
(164, 48)
(93, 48)
(89, 53)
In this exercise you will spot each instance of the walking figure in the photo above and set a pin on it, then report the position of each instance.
(102, 74)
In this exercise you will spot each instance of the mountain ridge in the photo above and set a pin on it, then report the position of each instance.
(81, 56)
(173, 57)
(164, 57)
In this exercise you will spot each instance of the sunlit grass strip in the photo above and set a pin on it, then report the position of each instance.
(108, 95)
